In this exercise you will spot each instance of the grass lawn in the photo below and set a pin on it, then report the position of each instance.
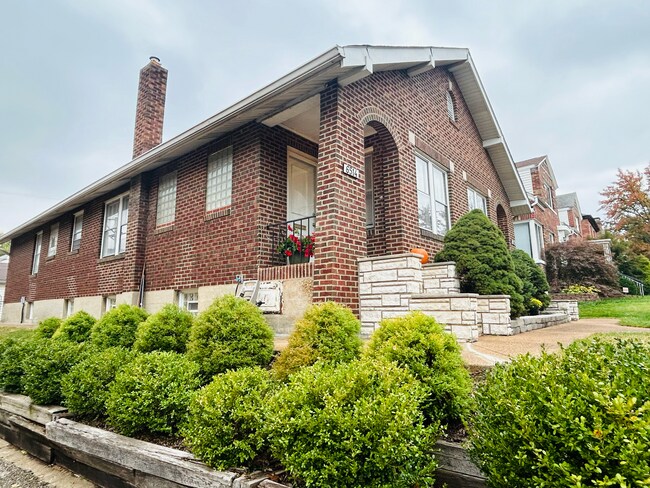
(15, 332)
(632, 311)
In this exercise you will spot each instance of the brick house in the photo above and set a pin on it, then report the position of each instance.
(570, 215)
(372, 150)
(539, 228)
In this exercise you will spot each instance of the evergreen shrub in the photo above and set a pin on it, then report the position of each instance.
(483, 262)
(419, 344)
(579, 418)
(14, 354)
(152, 393)
(47, 327)
(167, 330)
(226, 419)
(117, 327)
(75, 328)
(327, 332)
(356, 424)
(230, 334)
(533, 278)
(85, 387)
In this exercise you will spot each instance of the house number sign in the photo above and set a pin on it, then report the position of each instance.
(351, 171)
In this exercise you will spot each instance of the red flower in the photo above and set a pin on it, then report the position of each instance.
(288, 252)
(290, 228)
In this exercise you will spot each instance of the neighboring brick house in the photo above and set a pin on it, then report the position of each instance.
(590, 227)
(570, 215)
(539, 228)
(4, 264)
(373, 150)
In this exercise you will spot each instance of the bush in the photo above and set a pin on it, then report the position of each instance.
(75, 328)
(44, 369)
(152, 393)
(226, 418)
(483, 262)
(13, 355)
(47, 327)
(167, 330)
(354, 424)
(117, 327)
(419, 344)
(534, 282)
(580, 262)
(230, 334)
(85, 387)
(328, 332)
(579, 289)
(632, 286)
(580, 418)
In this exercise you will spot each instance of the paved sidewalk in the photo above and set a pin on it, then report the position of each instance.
(489, 350)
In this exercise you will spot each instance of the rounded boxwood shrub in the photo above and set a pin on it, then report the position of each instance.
(421, 345)
(355, 424)
(85, 387)
(48, 362)
(578, 418)
(230, 334)
(117, 327)
(226, 419)
(167, 330)
(14, 353)
(47, 327)
(75, 328)
(152, 393)
(327, 332)
(483, 262)
(533, 278)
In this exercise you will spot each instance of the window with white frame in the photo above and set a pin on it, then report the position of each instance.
(433, 206)
(219, 185)
(166, 209)
(110, 302)
(476, 200)
(549, 195)
(36, 261)
(189, 300)
(370, 200)
(539, 238)
(54, 241)
(451, 110)
(116, 219)
(77, 225)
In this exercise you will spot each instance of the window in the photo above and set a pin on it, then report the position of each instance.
(189, 300)
(77, 225)
(110, 302)
(451, 110)
(522, 238)
(36, 261)
(549, 195)
(370, 200)
(68, 307)
(539, 238)
(551, 237)
(476, 200)
(166, 211)
(219, 187)
(116, 218)
(54, 240)
(433, 209)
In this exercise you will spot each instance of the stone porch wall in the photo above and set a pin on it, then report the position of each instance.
(440, 278)
(493, 313)
(568, 307)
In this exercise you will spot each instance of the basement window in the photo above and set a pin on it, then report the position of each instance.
(189, 300)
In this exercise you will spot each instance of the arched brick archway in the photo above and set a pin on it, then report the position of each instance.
(502, 222)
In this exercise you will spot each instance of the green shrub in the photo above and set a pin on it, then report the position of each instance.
(117, 327)
(47, 327)
(44, 369)
(632, 286)
(580, 418)
(14, 353)
(167, 330)
(328, 332)
(85, 387)
(483, 262)
(579, 289)
(534, 282)
(421, 345)
(75, 328)
(355, 424)
(226, 417)
(152, 393)
(230, 334)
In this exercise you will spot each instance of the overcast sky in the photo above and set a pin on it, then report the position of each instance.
(566, 78)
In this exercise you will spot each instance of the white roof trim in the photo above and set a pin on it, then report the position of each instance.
(343, 63)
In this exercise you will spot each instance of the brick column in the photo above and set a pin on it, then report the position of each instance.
(340, 202)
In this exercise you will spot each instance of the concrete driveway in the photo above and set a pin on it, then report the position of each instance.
(489, 350)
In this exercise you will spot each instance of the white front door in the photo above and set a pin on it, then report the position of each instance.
(301, 188)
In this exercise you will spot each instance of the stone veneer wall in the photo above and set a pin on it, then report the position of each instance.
(568, 307)
(494, 314)
(440, 278)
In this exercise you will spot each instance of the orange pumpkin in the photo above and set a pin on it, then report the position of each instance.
(423, 253)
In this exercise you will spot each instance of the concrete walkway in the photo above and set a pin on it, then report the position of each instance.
(489, 350)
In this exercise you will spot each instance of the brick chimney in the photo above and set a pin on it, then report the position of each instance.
(150, 110)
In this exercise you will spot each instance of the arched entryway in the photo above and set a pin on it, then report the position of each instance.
(502, 222)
